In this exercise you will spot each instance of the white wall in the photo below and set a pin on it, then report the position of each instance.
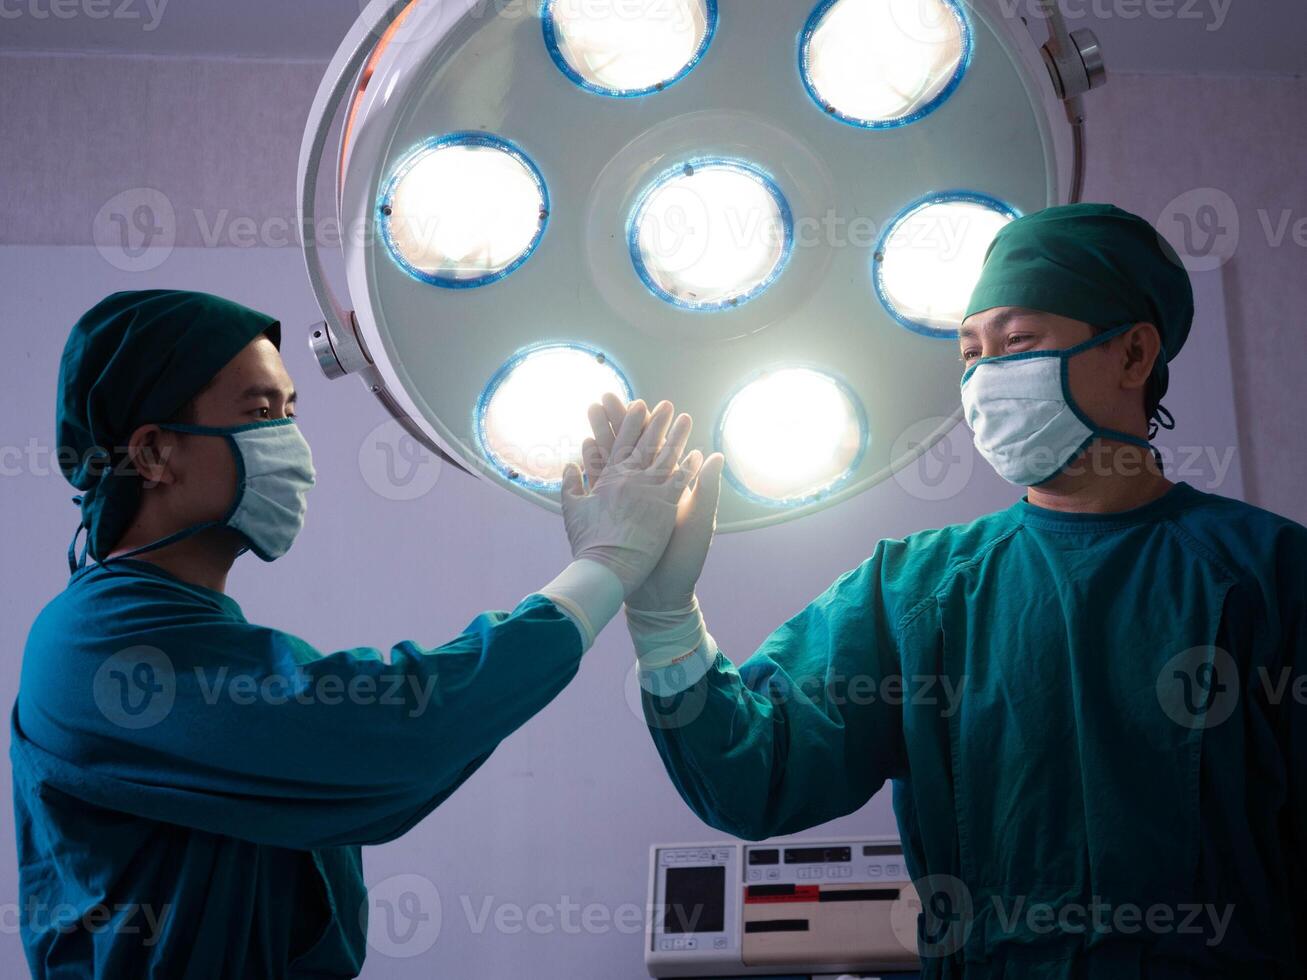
(1238, 145)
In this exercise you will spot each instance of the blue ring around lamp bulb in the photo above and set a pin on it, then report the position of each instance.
(964, 63)
(878, 265)
(411, 159)
(496, 381)
(864, 440)
(709, 163)
(556, 53)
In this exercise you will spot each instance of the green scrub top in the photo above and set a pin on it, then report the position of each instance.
(192, 790)
(1039, 688)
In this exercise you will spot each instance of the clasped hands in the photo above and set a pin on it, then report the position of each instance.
(642, 508)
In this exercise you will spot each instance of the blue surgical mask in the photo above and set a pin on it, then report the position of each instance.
(1026, 423)
(274, 473)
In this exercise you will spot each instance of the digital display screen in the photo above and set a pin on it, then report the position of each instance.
(817, 855)
(694, 900)
(765, 857)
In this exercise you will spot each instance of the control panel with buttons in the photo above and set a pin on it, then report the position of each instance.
(743, 909)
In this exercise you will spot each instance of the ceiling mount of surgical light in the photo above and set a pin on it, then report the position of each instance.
(644, 197)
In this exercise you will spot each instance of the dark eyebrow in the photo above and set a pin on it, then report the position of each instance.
(267, 391)
(995, 325)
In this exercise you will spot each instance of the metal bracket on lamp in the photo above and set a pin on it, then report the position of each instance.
(1075, 65)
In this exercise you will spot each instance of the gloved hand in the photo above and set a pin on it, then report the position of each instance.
(671, 642)
(622, 513)
(670, 587)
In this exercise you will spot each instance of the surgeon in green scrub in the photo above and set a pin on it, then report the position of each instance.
(1090, 704)
(192, 789)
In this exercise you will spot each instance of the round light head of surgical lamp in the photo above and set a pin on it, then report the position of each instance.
(464, 209)
(627, 48)
(884, 63)
(785, 255)
(792, 436)
(711, 234)
(532, 416)
(930, 258)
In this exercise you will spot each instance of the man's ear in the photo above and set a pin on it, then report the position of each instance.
(1141, 346)
(148, 451)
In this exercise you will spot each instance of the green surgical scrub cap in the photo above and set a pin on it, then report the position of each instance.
(1094, 263)
(133, 359)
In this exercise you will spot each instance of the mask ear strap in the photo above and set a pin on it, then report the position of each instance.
(1102, 338)
(74, 563)
(173, 538)
(1162, 419)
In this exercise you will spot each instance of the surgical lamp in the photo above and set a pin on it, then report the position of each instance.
(769, 212)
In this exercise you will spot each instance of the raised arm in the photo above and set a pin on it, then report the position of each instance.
(803, 732)
(807, 730)
(190, 715)
(250, 732)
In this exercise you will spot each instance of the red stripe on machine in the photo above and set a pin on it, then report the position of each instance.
(774, 894)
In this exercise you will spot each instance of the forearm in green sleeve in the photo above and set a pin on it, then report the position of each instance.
(779, 745)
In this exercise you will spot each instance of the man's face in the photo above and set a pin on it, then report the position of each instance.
(252, 387)
(1100, 377)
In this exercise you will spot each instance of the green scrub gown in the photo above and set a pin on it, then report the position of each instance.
(191, 789)
(1039, 688)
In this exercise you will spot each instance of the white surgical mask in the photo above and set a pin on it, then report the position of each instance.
(1026, 423)
(274, 474)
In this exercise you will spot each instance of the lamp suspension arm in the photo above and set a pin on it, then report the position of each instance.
(1075, 64)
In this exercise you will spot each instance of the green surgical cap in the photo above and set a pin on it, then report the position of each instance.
(134, 359)
(1094, 263)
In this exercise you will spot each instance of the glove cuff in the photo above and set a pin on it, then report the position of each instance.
(674, 648)
(589, 594)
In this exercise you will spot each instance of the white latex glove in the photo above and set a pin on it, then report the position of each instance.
(671, 641)
(670, 587)
(623, 518)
